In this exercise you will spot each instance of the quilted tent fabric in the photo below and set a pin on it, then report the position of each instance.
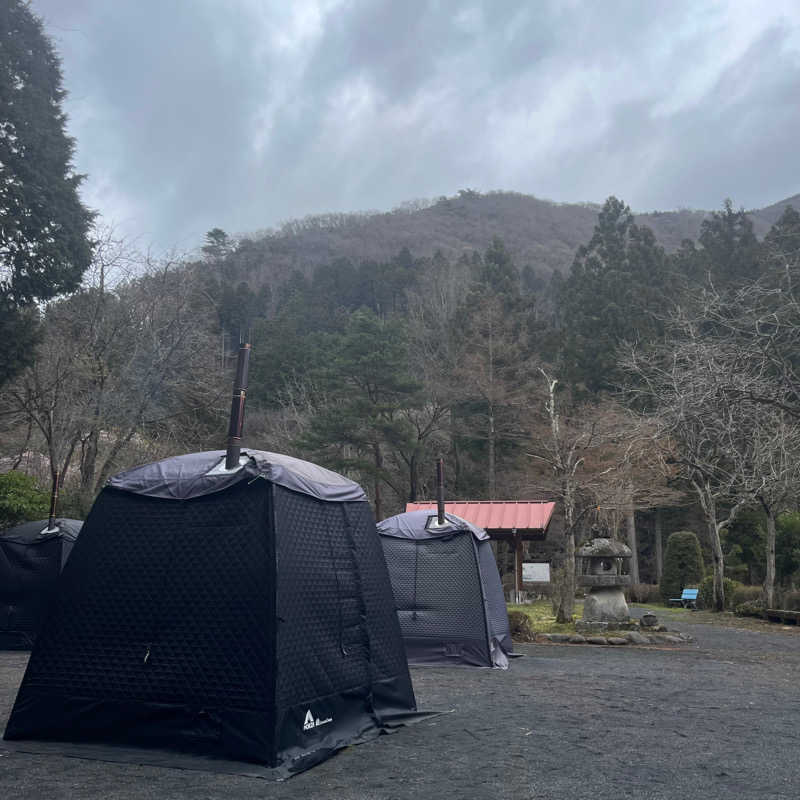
(447, 590)
(254, 622)
(31, 558)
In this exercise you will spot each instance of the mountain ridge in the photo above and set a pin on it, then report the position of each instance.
(539, 233)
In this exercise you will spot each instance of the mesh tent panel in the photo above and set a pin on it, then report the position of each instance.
(321, 638)
(387, 654)
(495, 599)
(337, 624)
(444, 601)
(165, 602)
(401, 558)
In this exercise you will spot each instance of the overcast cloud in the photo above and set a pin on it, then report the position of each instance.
(191, 114)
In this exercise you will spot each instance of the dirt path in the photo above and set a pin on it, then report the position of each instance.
(716, 719)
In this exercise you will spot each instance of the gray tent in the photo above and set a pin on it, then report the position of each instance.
(447, 590)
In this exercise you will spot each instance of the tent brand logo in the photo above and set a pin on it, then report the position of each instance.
(310, 722)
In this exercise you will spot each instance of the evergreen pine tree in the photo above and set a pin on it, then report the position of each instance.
(44, 242)
(364, 383)
(613, 288)
(683, 564)
(731, 250)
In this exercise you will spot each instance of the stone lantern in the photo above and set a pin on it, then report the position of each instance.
(601, 572)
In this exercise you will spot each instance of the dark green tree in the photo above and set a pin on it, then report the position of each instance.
(218, 245)
(787, 550)
(20, 333)
(683, 564)
(383, 286)
(745, 548)
(44, 227)
(531, 282)
(238, 307)
(490, 366)
(730, 250)
(781, 247)
(363, 386)
(611, 296)
(498, 273)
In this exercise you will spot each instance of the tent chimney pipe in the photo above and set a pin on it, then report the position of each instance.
(440, 490)
(51, 523)
(237, 407)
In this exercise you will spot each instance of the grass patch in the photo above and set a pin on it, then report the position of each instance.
(542, 618)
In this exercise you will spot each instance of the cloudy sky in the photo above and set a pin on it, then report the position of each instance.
(191, 114)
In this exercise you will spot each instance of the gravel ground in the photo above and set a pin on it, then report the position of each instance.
(715, 719)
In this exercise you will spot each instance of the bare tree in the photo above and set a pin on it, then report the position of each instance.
(726, 387)
(490, 370)
(593, 454)
(423, 441)
(691, 388)
(776, 472)
(45, 399)
(436, 357)
(127, 355)
(758, 323)
(640, 480)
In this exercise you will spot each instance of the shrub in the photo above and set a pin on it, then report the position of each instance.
(706, 597)
(745, 594)
(683, 564)
(21, 499)
(787, 548)
(750, 608)
(644, 593)
(520, 626)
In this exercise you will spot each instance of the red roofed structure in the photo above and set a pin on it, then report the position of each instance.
(499, 516)
(507, 520)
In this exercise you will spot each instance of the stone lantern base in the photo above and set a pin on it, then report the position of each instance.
(605, 604)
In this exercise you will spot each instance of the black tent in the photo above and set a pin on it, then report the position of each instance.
(31, 558)
(242, 614)
(447, 590)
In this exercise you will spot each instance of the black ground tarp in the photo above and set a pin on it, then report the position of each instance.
(447, 590)
(244, 615)
(31, 558)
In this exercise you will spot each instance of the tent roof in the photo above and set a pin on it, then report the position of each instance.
(500, 515)
(422, 525)
(196, 474)
(35, 532)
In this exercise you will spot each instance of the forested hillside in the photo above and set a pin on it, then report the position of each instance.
(538, 233)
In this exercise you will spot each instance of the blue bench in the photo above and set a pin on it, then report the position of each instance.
(688, 599)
